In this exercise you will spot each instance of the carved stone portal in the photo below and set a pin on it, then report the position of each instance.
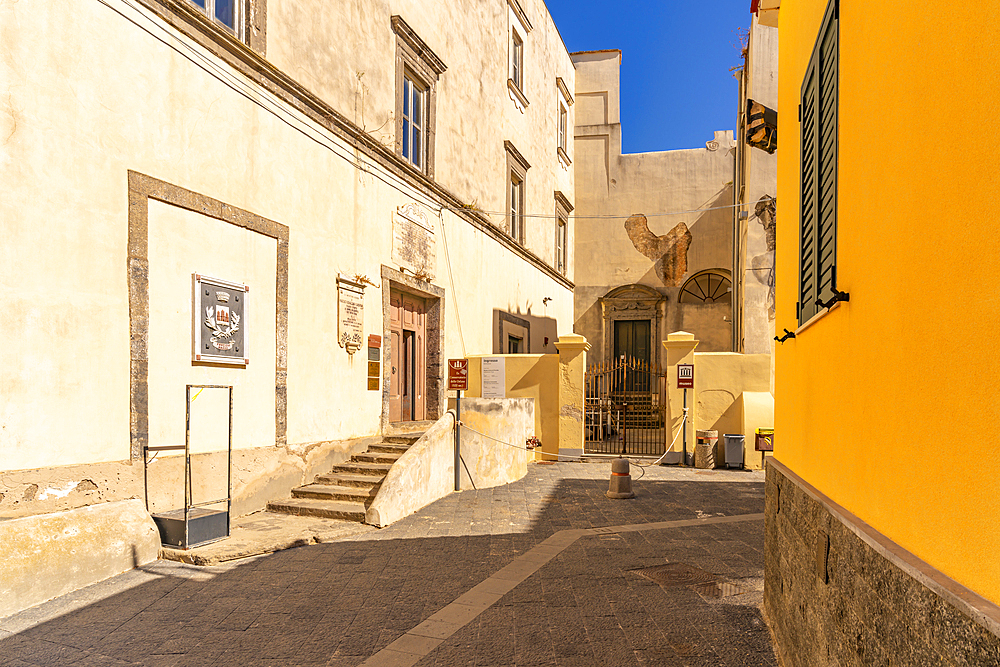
(632, 302)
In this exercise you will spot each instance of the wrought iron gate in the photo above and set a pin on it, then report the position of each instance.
(626, 404)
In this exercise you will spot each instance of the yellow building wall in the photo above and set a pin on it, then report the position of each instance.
(888, 404)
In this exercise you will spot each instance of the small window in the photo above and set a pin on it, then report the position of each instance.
(563, 119)
(223, 11)
(516, 59)
(514, 344)
(563, 208)
(516, 207)
(414, 117)
(707, 287)
(517, 170)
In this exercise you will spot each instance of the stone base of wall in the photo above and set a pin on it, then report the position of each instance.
(259, 474)
(837, 592)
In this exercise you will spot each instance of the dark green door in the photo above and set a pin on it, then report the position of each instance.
(632, 339)
(632, 342)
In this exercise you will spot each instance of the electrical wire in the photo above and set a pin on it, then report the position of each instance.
(618, 216)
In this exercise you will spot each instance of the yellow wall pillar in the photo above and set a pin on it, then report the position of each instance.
(573, 350)
(680, 347)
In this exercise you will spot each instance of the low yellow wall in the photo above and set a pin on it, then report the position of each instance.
(732, 395)
(528, 376)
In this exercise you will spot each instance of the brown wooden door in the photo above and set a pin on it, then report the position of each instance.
(408, 345)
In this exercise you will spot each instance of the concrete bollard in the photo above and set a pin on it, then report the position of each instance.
(704, 450)
(620, 487)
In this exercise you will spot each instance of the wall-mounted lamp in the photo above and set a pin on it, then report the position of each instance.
(545, 300)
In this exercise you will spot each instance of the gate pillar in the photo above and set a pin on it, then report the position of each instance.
(573, 350)
(680, 347)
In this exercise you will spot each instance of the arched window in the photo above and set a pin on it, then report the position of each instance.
(710, 286)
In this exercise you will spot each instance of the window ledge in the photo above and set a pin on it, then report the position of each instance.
(563, 156)
(515, 94)
(817, 317)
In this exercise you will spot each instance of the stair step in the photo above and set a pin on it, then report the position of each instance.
(328, 509)
(407, 439)
(334, 492)
(379, 469)
(344, 479)
(376, 457)
(390, 447)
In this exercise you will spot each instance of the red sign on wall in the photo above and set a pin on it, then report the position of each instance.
(458, 374)
(685, 376)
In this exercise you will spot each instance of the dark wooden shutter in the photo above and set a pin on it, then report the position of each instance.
(828, 156)
(818, 231)
(808, 230)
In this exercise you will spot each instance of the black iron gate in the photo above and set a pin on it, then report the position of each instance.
(626, 404)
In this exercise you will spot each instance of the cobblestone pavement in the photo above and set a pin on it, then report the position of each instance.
(684, 593)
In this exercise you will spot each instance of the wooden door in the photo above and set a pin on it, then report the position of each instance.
(408, 372)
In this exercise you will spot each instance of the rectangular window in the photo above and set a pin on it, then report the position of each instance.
(418, 70)
(414, 120)
(223, 11)
(514, 344)
(563, 118)
(516, 59)
(516, 207)
(517, 171)
(561, 245)
(818, 224)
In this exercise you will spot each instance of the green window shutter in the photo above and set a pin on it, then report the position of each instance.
(818, 230)
(808, 230)
(828, 157)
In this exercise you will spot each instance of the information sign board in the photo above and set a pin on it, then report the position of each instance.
(494, 375)
(685, 376)
(458, 374)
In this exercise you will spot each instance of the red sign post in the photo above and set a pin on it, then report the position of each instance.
(685, 376)
(458, 374)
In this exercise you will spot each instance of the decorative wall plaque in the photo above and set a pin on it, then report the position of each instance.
(220, 321)
(413, 244)
(351, 308)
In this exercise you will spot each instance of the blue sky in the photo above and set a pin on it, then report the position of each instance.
(676, 55)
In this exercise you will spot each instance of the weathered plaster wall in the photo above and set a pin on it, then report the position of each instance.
(259, 474)
(48, 555)
(357, 76)
(534, 376)
(426, 471)
(65, 354)
(758, 183)
(733, 396)
(616, 185)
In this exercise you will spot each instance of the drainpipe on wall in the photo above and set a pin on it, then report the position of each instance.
(736, 294)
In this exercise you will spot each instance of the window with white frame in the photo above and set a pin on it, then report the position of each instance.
(223, 12)
(564, 102)
(516, 58)
(517, 170)
(519, 29)
(563, 209)
(414, 120)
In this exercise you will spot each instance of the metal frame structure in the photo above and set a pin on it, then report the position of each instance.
(625, 409)
(188, 504)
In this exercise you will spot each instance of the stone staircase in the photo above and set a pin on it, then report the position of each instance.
(346, 491)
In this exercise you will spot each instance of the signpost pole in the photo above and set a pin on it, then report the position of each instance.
(684, 431)
(458, 439)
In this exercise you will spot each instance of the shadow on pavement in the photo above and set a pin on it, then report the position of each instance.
(338, 603)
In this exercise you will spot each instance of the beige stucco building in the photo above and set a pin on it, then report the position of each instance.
(654, 233)
(756, 190)
(366, 171)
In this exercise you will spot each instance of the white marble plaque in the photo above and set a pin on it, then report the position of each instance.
(351, 308)
(413, 242)
(494, 377)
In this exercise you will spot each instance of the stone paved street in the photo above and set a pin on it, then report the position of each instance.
(685, 594)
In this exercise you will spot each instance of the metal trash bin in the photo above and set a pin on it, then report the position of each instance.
(704, 450)
(734, 450)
